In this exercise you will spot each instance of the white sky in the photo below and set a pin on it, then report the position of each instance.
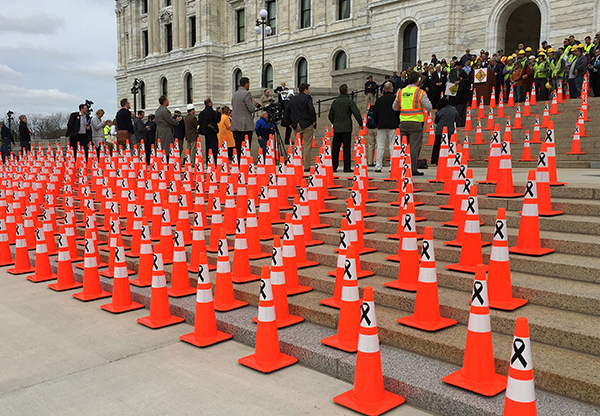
(56, 53)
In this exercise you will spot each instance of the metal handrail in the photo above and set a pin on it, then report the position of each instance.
(352, 95)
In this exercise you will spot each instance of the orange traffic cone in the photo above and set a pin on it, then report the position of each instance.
(253, 232)
(478, 373)
(241, 262)
(121, 296)
(145, 263)
(576, 144)
(224, 297)
(536, 130)
(43, 272)
(543, 175)
(491, 176)
(282, 313)
(91, 279)
(408, 273)
(298, 236)
(216, 224)
(22, 263)
(267, 356)
(5, 254)
(205, 321)
(336, 299)
(490, 120)
(180, 281)
(290, 263)
(65, 279)
(526, 150)
(526, 109)
(499, 285)
(504, 184)
(160, 310)
(165, 247)
(470, 253)
(346, 338)
(520, 390)
(368, 395)
(427, 306)
(264, 215)
(528, 241)
(198, 244)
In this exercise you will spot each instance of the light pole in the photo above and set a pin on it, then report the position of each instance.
(134, 90)
(267, 30)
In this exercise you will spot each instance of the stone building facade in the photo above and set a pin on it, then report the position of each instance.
(192, 49)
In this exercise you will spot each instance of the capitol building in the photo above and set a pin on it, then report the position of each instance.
(193, 49)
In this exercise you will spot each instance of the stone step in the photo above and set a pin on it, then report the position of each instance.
(415, 376)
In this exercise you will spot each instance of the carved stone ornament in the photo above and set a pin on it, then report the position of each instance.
(165, 16)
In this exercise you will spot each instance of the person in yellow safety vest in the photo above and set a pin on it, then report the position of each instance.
(556, 68)
(540, 69)
(507, 73)
(528, 52)
(410, 101)
(522, 57)
(588, 45)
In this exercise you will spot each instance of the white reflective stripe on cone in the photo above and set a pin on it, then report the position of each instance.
(223, 266)
(159, 281)
(471, 227)
(204, 296)
(505, 164)
(252, 222)
(409, 244)
(542, 176)
(120, 272)
(368, 343)
(146, 249)
(289, 251)
(530, 210)
(298, 229)
(479, 323)
(427, 275)
(241, 244)
(266, 313)
(277, 278)
(198, 235)
(350, 293)
(499, 253)
(522, 391)
(179, 256)
(89, 262)
(64, 256)
(341, 260)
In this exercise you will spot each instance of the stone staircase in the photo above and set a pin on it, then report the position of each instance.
(564, 125)
(563, 289)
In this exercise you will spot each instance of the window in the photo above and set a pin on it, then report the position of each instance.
(409, 46)
(169, 37)
(302, 71)
(167, 3)
(237, 76)
(144, 6)
(192, 31)
(145, 44)
(343, 9)
(142, 95)
(189, 89)
(241, 25)
(304, 13)
(271, 7)
(164, 87)
(268, 81)
(340, 61)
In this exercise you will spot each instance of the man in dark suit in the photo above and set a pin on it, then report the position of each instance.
(124, 123)
(438, 81)
(78, 130)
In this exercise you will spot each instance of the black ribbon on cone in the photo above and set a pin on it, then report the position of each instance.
(518, 350)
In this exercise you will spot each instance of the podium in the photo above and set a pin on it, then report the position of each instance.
(483, 82)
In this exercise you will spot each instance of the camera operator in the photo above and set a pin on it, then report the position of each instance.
(263, 130)
(300, 115)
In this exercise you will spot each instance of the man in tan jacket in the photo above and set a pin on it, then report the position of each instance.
(191, 134)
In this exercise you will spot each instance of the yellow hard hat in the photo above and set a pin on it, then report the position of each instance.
(548, 86)
(521, 52)
(580, 46)
(528, 49)
(550, 50)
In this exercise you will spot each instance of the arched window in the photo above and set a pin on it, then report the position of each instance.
(302, 71)
(409, 45)
(142, 94)
(237, 76)
(268, 81)
(189, 89)
(340, 61)
(164, 87)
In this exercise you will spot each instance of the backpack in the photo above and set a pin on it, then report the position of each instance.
(370, 121)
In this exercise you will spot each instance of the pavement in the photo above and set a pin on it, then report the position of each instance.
(61, 356)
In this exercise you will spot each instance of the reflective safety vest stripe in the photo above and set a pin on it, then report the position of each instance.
(539, 70)
(509, 68)
(410, 103)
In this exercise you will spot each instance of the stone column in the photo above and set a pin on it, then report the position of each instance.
(154, 28)
(181, 17)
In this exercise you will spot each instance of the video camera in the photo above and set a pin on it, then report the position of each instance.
(89, 105)
(275, 112)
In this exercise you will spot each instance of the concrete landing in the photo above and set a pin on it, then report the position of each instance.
(61, 356)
